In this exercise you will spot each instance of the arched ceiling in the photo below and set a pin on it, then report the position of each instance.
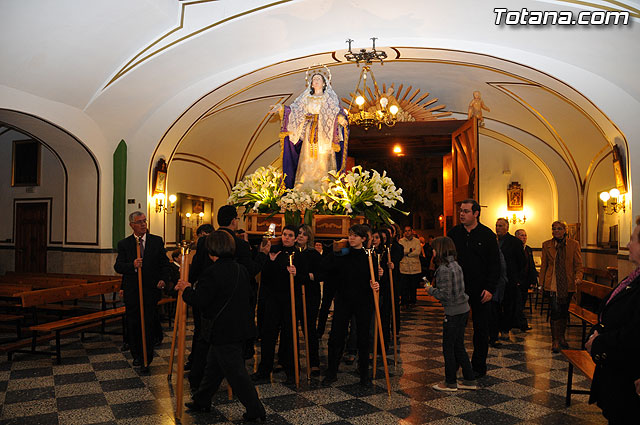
(234, 117)
(193, 79)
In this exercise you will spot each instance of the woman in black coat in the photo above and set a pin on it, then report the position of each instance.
(223, 295)
(614, 346)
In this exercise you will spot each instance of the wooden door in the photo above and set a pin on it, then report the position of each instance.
(464, 165)
(31, 237)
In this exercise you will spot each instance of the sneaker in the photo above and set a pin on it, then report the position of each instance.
(442, 386)
(467, 385)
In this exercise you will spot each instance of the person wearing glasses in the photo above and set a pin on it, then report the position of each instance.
(560, 271)
(154, 263)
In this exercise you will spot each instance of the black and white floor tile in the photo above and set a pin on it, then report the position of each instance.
(97, 384)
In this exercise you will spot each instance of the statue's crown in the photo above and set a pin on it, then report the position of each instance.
(317, 69)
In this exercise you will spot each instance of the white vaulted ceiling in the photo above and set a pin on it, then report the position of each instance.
(192, 80)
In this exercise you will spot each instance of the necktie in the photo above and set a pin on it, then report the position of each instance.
(140, 241)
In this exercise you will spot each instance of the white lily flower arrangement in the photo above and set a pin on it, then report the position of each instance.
(259, 192)
(357, 192)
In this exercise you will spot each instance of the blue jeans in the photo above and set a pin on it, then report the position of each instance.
(455, 355)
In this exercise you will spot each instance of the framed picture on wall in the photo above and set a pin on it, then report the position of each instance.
(25, 165)
(573, 231)
(188, 219)
(515, 195)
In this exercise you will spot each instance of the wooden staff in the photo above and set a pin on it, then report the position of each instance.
(182, 319)
(141, 298)
(377, 306)
(306, 333)
(173, 340)
(393, 310)
(375, 337)
(294, 325)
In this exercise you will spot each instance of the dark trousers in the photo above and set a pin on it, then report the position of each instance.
(480, 314)
(225, 361)
(134, 328)
(455, 355)
(199, 361)
(344, 309)
(520, 319)
(495, 320)
(559, 309)
(277, 319)
(510, 308)
(313, 304)
(328, 294)
(196, 333)
(409, 286)
(385, 314)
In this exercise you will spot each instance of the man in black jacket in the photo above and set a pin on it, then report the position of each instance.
(478, 256)
(228, 222)
(155, 272)
(529, 276)
(513, 252)
(277, 314)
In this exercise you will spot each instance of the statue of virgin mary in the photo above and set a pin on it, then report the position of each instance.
(314, 134)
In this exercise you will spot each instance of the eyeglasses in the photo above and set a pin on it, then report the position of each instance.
(139, 222)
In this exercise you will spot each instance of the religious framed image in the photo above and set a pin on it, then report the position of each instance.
(618, 171)
(515, 197)
(25, 164)
(160, 177)
(573, 231)
(197, 206)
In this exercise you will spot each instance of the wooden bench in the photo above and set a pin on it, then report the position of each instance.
(71, 324)
(587, 298)
(38, 298)
(582, 360)
(88, 277)
(97, 318)
(42, 282)
(604, 277)
(15, 318)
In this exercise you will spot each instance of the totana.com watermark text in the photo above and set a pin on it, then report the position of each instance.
(561, 17)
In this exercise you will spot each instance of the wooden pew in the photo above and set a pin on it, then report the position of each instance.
(71, 324)
(88, 277)
(582, 360)
(604, 277)
(588, 297)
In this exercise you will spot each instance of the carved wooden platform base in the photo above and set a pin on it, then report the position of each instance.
(324, 226)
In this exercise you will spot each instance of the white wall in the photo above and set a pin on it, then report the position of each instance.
(495, 157)
(52, 183)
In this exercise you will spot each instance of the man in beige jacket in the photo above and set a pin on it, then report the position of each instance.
(410, 269)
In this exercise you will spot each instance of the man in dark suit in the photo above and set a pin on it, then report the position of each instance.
(513, 252)
(155, 272)
(529, 275)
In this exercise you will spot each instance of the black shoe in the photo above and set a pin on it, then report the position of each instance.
(195, 407)
(495, 344)
(187, 366)
(350, 359)
(137, 362)
(478, 374)
(246, 418)
(365, 382)
(329, 379)
(260, 378)
(144, 370)
(526, 328)
(125, 347)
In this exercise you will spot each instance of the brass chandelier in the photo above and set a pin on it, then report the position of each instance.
(379, 111)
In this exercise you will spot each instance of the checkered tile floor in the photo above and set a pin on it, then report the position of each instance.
(96, 383)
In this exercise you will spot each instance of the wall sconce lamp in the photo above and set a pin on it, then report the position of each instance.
(613, 201)
(161, 205)
(441, 220)
(516, 220)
